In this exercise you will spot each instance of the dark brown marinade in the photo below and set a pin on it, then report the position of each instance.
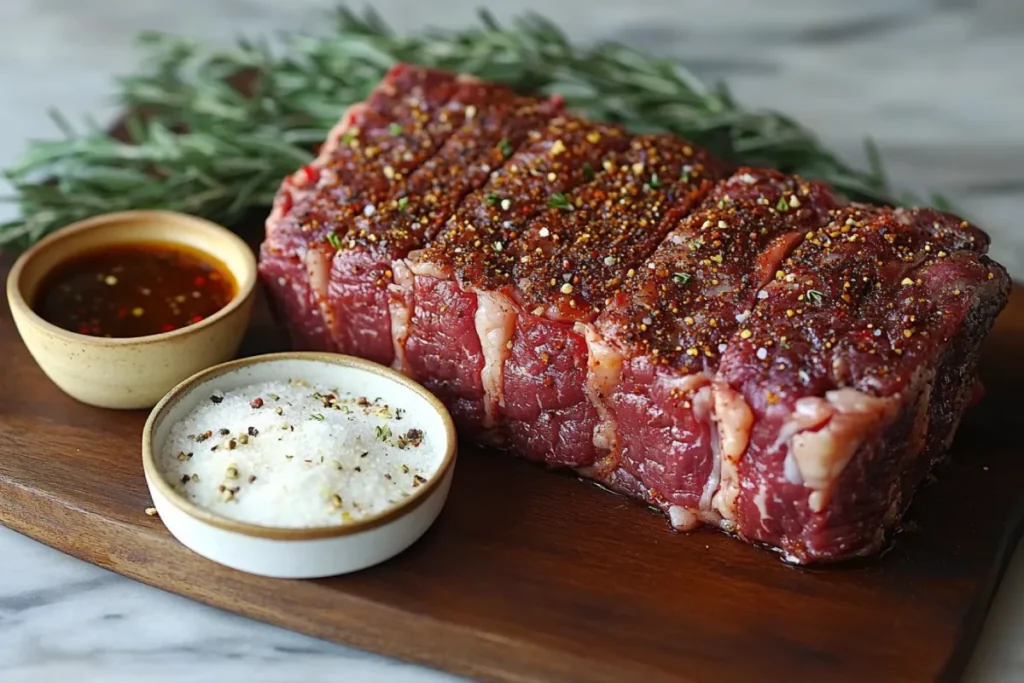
(376, 156)
(681, 307)
(476, 242)
(483, 144)
(134, 290)
(848, 307)
(571, 259)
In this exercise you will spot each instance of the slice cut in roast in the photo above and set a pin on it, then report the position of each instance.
(494, 125)
(656, 348)
(456, 335)
(570, 260)
(828, 392)
(364, 162)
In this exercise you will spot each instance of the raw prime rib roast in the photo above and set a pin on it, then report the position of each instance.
(742, 349)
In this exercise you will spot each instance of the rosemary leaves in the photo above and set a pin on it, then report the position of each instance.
(208, 148)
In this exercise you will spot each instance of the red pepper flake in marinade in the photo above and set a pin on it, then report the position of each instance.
(133, 290)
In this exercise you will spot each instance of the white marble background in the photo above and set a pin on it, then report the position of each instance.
(939, 84)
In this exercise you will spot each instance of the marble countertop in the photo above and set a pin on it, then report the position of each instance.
(937, 83)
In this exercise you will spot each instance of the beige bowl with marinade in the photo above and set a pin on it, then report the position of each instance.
(127, 372)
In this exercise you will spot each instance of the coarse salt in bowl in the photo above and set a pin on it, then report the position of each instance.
(298, 465)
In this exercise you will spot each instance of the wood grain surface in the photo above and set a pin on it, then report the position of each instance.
(533, 576)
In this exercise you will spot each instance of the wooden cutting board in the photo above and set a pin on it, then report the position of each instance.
(532, 576)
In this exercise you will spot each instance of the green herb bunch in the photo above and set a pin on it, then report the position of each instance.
(197, 143)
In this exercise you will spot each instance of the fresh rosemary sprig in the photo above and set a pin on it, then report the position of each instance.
(206, 148)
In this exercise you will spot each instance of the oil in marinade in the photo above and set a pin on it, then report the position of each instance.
(134, 290)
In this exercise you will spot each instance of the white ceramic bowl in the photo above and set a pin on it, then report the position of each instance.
(291, 552)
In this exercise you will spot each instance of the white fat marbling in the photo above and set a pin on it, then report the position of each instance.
(936, 82)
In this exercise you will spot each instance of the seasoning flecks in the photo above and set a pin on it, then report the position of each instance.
(257, 469)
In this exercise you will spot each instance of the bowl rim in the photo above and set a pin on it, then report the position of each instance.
(246, 281)
(185, 388)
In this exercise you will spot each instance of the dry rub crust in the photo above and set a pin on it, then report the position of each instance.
(837, 366)
(655, 350)
(572, 258)
(389, 129)
(477, 243)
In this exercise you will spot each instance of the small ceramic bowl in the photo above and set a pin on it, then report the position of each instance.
(309, 552)
(132, 372)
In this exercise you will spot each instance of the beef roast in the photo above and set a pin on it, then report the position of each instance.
(752, 352)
